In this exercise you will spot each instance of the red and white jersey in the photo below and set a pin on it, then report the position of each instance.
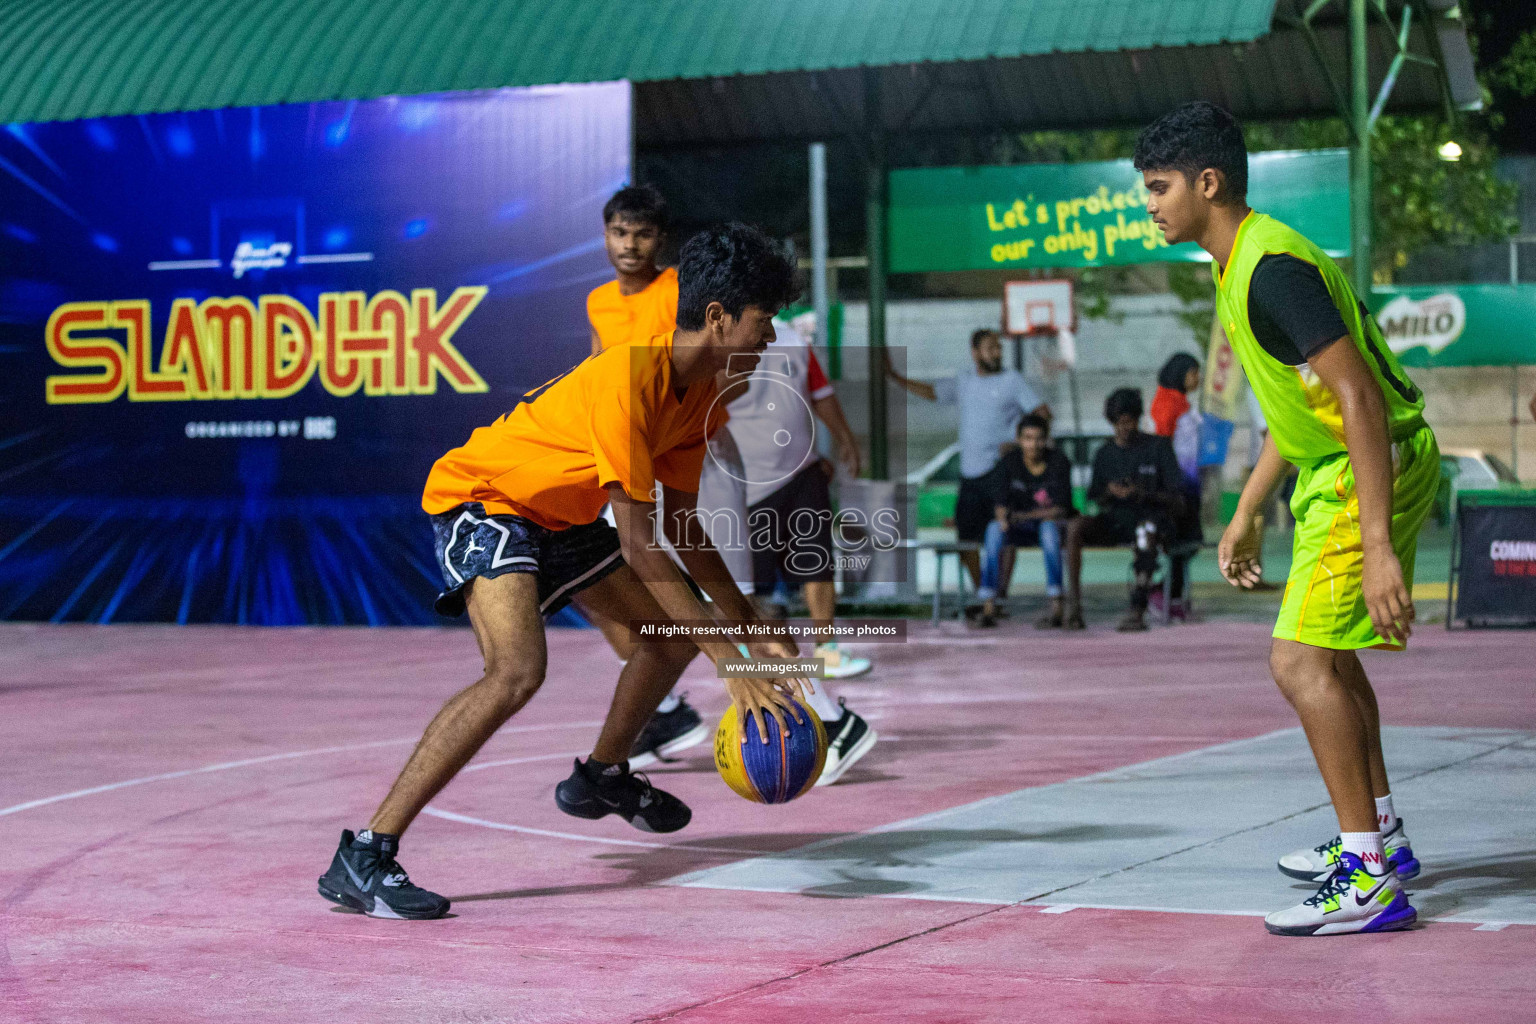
(772, 421)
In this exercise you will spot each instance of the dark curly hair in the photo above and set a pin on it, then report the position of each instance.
(1032, 419)
(641, 204)
(735, 265)
(1190, 139)
(1122, 402)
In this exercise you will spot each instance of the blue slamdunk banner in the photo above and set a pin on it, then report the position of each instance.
(233, 342)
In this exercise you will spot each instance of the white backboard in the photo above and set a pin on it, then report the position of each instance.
(1032, 306)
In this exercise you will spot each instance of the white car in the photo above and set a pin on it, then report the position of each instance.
(1472, 469)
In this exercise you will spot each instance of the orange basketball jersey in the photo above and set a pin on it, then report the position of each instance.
(620, 319)
(614, 418)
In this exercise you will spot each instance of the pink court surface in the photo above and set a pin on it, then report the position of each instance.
(1062, 828)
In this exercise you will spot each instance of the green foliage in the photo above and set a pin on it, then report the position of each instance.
(1517, 71)
(1417, 199)
(1075, 147)
(1191, 283)
(1420, 199)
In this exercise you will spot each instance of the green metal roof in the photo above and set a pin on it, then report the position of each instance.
(63, 59)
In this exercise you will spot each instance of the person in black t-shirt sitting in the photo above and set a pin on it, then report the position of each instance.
(1139, 490)
(1033, 507)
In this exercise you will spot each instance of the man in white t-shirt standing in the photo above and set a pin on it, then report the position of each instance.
(992, 400)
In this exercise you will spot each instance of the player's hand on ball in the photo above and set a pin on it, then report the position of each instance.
(763, 698)
(1386, 595)
(1240, 552)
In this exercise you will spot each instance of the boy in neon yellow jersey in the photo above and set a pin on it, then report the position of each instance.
(1341, 409)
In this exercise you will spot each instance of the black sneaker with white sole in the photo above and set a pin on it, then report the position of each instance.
(365, 876)
(668, 733)
(848, 739)
(622, 792)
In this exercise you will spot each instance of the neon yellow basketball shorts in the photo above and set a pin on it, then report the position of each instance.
(1324, 604)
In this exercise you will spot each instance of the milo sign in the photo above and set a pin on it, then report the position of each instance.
(1458, 324)
(1433, 322)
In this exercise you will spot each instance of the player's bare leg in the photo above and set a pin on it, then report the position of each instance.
(1073, 547)
(1335, 727)
(1347, 666)
(603, 784)
(364, 874)
(616, 633)
(652, 668)
(504, 612)
(1332, 697)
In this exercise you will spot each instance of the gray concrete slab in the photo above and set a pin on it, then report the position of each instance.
(1197, 832)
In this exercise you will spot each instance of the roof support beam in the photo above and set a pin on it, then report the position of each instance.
(874, 231)
(1360, 149)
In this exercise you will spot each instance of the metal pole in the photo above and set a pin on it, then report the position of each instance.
(819, 301)
(1514, 419)
(1359, 150)
(874, 232)
(1514, 373)
(834, 352)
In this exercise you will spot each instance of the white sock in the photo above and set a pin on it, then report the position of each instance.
(1367, 846)
(827, 709)
(669, 703)
(1386, 817)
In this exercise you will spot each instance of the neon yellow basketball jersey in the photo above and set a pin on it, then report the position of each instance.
(1303, 415)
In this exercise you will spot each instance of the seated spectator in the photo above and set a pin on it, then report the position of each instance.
(1175, 418)
(1034, 508)
(991, 400)
(1136, 483)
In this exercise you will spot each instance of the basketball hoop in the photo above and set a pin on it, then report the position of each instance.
(1037, 307)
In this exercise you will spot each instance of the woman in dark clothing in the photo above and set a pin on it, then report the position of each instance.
(1174, 417)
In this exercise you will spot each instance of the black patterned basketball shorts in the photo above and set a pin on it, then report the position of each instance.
(471, 542)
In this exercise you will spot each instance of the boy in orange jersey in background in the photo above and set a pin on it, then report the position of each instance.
(641, 301)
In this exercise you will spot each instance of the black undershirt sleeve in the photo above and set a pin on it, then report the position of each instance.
(1289, 308)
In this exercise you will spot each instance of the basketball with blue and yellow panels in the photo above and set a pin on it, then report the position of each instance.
(777, 771)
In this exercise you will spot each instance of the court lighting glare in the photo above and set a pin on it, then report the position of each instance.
(1451, 151)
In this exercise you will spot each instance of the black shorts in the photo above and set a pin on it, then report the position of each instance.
(1117, 525)
(790, 533)
(472, 543)
(976, 504)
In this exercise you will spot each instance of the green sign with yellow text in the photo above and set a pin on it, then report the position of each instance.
(1088, 214)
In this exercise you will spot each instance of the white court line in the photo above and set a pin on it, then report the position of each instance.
(480, 766)
(503, 827)
(247, 762)
(1096, 737)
